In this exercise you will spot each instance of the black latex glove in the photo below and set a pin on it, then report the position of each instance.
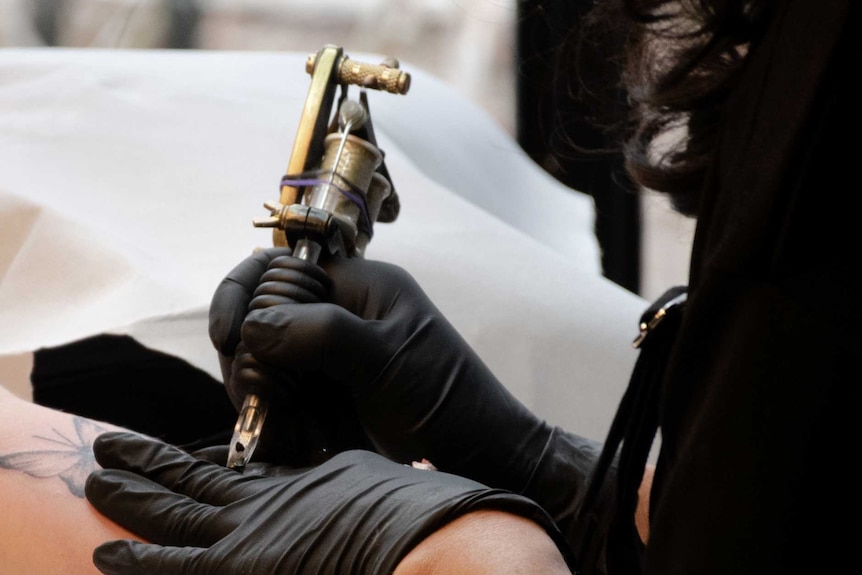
(357, 513)
(419, 389)
(313, 421)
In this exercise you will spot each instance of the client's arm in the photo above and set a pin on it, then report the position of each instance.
(357, 512)
(47, 526)
(485, 543)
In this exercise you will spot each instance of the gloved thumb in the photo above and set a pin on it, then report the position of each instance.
(230, 301)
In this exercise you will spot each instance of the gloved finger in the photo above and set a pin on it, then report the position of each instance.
(134, 501)
(215, 453)
(371, 288)
(320, 337)
(290, 280)
(134, 558)
(230, 301)
(169, 466)
(249, 375)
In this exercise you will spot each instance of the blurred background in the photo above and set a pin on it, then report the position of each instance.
(497, 53)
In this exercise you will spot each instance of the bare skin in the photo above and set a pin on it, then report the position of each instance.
(484, 543)
(642, 511)
(481, 543)
(47, 526)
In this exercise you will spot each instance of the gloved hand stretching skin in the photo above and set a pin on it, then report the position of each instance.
(419, 389)
(357, 513)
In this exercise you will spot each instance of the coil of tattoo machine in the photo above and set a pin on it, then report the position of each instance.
(336, 187)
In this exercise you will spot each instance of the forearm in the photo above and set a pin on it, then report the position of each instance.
(47, 526)
(485, 542)
(642, 510)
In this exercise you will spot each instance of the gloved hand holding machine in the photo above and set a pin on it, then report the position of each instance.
(417, 388)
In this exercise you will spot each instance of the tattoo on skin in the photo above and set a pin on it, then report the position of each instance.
(67, 456)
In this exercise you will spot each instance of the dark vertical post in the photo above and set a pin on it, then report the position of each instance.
(46, 19)
(183, 19)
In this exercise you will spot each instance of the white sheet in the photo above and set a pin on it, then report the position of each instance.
(128, 181)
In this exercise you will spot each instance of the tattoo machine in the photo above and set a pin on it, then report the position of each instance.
(336, 187)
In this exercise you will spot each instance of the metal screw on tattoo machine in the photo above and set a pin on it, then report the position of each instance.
(336, 187)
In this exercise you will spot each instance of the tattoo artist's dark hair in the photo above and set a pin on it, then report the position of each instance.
(680, 59)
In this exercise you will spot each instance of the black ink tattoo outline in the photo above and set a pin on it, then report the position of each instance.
(72, 461)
